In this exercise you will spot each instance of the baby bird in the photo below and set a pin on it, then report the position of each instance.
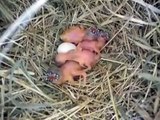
(85, 58)
(74, 34)
(68, 71)
(92, 33)
(94, 45)
(73, 63)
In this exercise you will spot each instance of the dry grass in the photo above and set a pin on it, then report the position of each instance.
(124, 85)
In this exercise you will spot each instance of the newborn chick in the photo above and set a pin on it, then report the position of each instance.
(68, 71)
(53, 74)
(91, 34)
(74, 34)
(94, 45)
(85, 58)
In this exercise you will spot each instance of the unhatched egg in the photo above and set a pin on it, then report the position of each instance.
(65, 47)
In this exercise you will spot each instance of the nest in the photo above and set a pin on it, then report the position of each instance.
(123, 85)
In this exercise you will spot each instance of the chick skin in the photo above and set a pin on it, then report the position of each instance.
(85, 58)
(68, 71)
(74, 34)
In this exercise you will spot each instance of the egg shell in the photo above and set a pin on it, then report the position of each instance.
(65, 47)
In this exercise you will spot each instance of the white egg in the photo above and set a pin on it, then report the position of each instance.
(65, 47)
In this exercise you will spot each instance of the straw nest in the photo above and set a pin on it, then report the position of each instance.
(124, 85)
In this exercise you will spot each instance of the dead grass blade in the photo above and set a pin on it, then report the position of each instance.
(157, 116)
(149, 77)
(143, 114)
(112, 99)
(146, 5)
